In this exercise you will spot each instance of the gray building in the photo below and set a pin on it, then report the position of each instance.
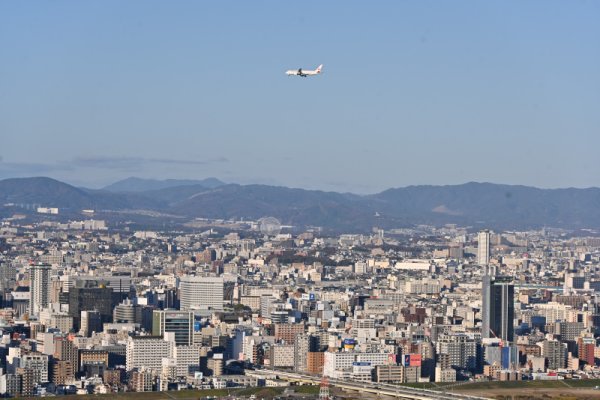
(569, 331)
(498, 308)
(555, 354)
(8, 272)
(461, 350)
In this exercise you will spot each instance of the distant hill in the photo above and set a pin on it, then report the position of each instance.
(493, 205)
(142, 185)
(48, 192)
(471, 204)
(296, 207)
(44, 191)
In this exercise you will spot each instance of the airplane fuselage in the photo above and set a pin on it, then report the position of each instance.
(304, 73)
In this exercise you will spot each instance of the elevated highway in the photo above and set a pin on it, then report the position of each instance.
(400, 392)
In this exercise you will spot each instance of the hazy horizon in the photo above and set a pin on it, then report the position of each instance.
(99, 187)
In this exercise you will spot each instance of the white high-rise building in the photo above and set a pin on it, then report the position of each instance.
(335, 362)
(148, 351)
(201, 293)
(188, 359)
(39, 288)
(483, 247)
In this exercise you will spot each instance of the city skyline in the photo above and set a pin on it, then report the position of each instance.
(317, 200)
(98, 306)
(502, 93)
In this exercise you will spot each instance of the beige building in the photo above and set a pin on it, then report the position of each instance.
(282, 355)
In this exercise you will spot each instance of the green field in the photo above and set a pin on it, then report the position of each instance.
(587, 383)
(307, 389)
(561, 384)
(266, 392)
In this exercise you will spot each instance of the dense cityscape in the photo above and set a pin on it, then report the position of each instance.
(92, 309)
(270, 200)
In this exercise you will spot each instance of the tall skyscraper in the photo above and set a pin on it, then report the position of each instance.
(40, 288)
(498, 308)
(202, 293)
(483, 247)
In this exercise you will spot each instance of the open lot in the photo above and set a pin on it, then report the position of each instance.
(563, 389)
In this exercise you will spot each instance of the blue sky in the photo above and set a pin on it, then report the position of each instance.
(413, 92)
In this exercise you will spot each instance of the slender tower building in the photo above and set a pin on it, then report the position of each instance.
(40, 288)
(483, 248)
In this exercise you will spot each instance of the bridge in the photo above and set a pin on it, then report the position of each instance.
(384, 389)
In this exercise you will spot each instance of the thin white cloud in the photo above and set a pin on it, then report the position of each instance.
(128, 163)
(8, 169)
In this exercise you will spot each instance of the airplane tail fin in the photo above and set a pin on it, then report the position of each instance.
(319, 68)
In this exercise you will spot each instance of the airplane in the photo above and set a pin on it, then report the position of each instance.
(304, 74)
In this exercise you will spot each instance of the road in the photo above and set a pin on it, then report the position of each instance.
(401, 392)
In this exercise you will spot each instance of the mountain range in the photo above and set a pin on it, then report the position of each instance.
(471, 204)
